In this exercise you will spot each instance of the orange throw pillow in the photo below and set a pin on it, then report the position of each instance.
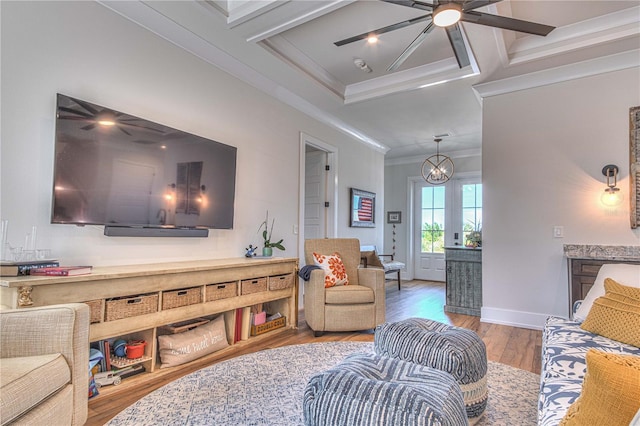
(334, 271)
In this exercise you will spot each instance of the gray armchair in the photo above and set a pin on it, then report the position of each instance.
(357, 306)
(44, 365)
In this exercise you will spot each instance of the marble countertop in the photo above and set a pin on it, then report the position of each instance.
(606, 252)
(463, 248)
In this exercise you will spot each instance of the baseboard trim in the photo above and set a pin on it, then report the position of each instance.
(513, 318)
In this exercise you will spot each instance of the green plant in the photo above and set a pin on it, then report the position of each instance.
(266, 234)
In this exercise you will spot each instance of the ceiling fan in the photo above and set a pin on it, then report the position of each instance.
(447, 14)
(97, 115)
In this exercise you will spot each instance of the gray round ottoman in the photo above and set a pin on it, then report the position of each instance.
(456, 350)
(368, 389)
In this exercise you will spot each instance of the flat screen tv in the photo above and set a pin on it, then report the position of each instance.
(131, 174)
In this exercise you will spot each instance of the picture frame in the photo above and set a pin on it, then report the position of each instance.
(363, 209)
(394, 217)
(634, 166)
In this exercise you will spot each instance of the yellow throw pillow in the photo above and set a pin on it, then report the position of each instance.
(334, 271)
(610, 391)
(616, 315)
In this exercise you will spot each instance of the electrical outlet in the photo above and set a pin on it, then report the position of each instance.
(558, 232)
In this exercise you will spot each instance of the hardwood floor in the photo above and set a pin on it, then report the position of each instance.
(517, 347)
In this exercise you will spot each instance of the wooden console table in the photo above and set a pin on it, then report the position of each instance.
(106, 284)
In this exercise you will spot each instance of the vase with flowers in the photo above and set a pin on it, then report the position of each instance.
(268, 246)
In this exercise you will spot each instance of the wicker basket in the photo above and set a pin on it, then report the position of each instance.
(279, 282)
(221, 291)
(254, 285)
(268, 326)
(130, 306)
(183, 297)
(95, 310)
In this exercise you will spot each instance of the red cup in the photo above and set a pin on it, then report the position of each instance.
(135, 349)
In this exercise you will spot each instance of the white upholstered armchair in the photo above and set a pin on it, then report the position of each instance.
(357, 306)
(44, 365)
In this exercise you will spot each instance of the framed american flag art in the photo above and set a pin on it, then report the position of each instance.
(363, 207)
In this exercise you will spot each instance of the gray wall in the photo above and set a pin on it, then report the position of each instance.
(542, 158)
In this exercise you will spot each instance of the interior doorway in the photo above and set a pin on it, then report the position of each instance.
(318, 188)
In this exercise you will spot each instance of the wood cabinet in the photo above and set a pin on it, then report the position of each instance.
(166, 294)
(583, 273)
(464, 280)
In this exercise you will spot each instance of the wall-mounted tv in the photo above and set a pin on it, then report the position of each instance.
(137, 177)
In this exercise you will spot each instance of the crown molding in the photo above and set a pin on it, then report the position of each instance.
(147, 17)
(617, 62)
(400, 161)
(591, 32)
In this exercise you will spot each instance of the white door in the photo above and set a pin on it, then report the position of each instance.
(315, 195)
(429, 225)
(130, 206)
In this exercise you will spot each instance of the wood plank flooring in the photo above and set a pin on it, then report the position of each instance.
(517, 347)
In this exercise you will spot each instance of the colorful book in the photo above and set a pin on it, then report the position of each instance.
(62, 271)
(246, 323)
(17, 269)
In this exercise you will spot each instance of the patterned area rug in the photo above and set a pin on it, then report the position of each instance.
(266, 388)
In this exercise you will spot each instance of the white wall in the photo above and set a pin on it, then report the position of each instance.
(86, 51)
(542, 157)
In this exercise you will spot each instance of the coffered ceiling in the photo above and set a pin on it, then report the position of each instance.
(286, 48)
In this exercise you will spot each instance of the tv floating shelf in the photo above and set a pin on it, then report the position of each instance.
(139, 231)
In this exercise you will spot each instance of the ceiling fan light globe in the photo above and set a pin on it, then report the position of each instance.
(447, 14)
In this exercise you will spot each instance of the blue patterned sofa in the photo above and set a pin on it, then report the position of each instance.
(564, 348)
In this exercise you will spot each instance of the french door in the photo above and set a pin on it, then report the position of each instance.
(430, 224)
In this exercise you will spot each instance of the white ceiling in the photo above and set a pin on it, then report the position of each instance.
(286, 49)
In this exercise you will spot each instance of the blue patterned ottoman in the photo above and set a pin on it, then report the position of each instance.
(456, 350)
(368, 389)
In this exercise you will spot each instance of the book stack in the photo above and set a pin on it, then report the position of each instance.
(17, 269)
(62, 271)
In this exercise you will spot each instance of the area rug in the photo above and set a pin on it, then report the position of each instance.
(266, 388)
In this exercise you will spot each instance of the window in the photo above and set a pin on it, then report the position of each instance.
(471, 209)
(433, 202)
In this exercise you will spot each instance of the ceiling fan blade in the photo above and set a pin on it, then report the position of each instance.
(383, 30)
(73, 111)
(476, 4)
(122, 123)
(506, 23)
(409, 50)
(89, 127)
(124, 131)
(459, 46)
(414, 4)
(86, 106)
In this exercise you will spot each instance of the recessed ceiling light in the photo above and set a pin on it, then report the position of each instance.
(372, 39)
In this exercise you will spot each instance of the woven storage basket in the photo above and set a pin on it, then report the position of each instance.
(254, 285)
(183, 297)
(130, 306)
(279, 282)
(221, 291)
(95, 310)
(268, 326)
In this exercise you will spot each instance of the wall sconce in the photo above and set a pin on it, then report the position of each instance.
(171, 190)
(612, 196)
